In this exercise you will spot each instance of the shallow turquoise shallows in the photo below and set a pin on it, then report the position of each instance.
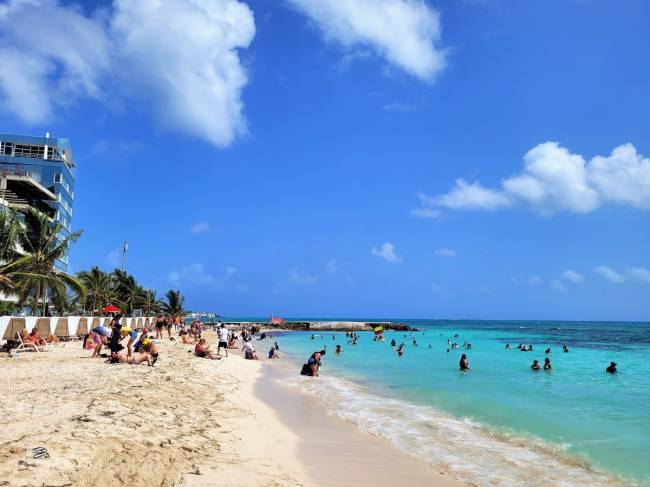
(501, 423)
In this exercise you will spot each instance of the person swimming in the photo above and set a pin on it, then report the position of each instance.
(393, 343)
(565, 349)
(508, 347)
(547, 364)
(611, 369)
(548, 350)
(463, 364)
(338, 350)
(535, 365)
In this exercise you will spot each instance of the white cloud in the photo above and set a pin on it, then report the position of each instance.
(178, 58)
(300, 278)
(331, 266)
(183, 60)
(572, 276)
(554, 180)
(610, 274)
(399, 106)
(471, 196)
(425, 210)
(534, 280)
(50, 56)
(191, 274)
(404, 32)
(639, 274)
(200, 227)
(231, 271)
(445, 252)
(387, 252)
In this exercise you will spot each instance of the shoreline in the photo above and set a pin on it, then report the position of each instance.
(189, 422)
(335, 453)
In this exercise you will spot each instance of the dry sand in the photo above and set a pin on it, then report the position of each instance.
(189, 421)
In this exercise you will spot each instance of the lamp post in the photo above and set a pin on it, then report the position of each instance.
(125, 247)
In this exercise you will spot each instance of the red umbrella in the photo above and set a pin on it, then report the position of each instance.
(111, 309)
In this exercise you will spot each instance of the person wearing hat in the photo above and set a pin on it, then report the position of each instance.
(611, 369)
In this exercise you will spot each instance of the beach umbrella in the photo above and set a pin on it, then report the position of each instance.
(111, 309)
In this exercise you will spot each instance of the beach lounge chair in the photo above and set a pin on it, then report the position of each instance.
(25, 347)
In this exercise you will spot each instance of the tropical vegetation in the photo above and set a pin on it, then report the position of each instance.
(30, 246)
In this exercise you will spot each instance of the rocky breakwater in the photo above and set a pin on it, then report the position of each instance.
(340, 326)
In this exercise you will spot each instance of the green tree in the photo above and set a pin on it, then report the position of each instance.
(44, 243)
(174, 304)
(149, 302)
(100, 288)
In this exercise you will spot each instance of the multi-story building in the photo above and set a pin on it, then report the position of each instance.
(38, 172)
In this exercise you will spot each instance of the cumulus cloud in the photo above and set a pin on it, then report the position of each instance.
(387, 252)
(183, 61)
(445, 252)
(610, 274)
(405, 33)
(568, 276)
(572, 276)
(554, 180)
(180, 59)
(191, 274)
(534, 280)
(200, 227)
(50, 55)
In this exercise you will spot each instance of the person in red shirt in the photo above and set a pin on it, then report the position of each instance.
(202, 349)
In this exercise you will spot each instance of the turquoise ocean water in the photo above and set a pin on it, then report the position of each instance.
(500, 423)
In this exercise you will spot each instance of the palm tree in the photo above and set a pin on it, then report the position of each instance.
(44, 244)
(174, 304)
(10, 260)
(100, 288)
(128, 289)
(149, 301)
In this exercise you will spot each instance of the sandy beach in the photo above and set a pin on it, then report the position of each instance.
(189, 422)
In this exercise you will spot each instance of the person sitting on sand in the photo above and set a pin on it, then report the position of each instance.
(535, 365)
(186, 338)
(273, 353)
(338, 350)
(149, 346)
(136, 359)
(463, 364)
(547, 364)
(249, 351)
(611, 369)
(202, 350)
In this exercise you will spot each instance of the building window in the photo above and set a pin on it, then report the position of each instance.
(6, 148)
(57, 177)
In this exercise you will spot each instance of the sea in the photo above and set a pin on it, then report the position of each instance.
(500, 423)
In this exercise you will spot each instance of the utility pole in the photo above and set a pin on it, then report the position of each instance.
(125, 247)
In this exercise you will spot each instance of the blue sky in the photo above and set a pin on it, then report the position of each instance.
(369, 158)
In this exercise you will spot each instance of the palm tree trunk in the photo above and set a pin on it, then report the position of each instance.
(37, 297)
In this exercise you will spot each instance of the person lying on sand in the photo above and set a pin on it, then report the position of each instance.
(185, 337)
(202, 350)
(135, 359)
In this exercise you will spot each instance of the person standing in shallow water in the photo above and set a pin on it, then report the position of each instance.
(463, 364)
(611, 369)
(547, 364)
